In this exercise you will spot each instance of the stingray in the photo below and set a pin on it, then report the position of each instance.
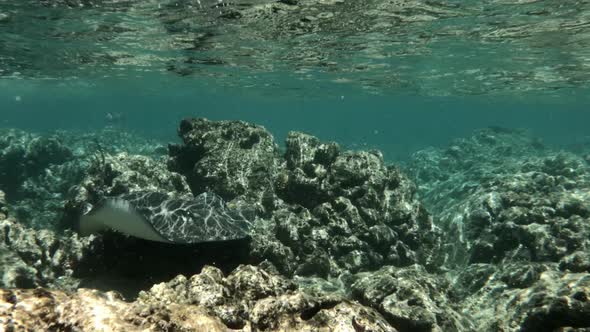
(155, 216)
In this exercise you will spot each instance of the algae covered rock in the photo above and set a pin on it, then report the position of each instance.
(38, 170)
(554, 301)
(13, 147)
(179, 306)
(324, 211)
(24, 155)
(516, 223)
(42, 197)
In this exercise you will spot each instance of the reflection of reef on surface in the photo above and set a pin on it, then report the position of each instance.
(375, 45)
(494, 236)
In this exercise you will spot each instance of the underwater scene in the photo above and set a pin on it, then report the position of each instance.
(295, 165)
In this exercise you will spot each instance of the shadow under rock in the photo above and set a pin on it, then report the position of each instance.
(129, 265)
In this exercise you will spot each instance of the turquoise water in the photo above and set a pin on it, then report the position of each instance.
(398, 125)
(467, 222)
(397, 76)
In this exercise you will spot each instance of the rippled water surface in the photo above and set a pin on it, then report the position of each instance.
(393, 75)
(427, 47)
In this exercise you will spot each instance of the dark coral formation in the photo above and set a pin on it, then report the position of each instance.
(24, 155)
(327, 211)
(345, 211)
(230, 158)
(554, 301)
(410, 298)
(37, 171)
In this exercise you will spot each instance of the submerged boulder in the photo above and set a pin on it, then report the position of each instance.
(252, 298)
(230, 158)
(410, 298)
(552, 300)
(91, 310)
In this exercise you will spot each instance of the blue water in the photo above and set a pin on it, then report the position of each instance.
(396, 125)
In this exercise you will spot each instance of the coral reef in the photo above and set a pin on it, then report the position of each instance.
(516, 219)
(40, 258)
(91, 310)
(525, 297)
(230, 158)
(37, 171)
(345, 211)
(494, 237)
(321, 211)
(24, 155)
(501, 195)
(410, 298)
(326, 211)
(250, 299)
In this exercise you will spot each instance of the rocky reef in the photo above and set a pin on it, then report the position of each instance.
(24, 155)
(37, 171)
(230, 158)
(40, 258)
(249, 299)
(501, 195)
(325, 211)
(516, 219)
(489, 234)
